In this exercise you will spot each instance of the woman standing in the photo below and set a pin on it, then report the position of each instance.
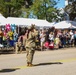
(42, 39)
(1, 36)
(30, 44)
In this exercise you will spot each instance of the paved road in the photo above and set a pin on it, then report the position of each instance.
(54, 62)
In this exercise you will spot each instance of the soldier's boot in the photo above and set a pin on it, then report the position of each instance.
(27, 64)
(30, 65)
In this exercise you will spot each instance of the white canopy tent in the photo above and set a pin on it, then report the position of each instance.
(2, 20)
(65, 24)
(28, 22)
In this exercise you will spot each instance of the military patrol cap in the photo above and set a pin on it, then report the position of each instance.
(32, 26)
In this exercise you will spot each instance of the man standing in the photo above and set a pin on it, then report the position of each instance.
(30, 44)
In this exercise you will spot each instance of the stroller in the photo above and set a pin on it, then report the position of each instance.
(51, 45)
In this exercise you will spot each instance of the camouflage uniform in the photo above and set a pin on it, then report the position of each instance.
(18, 47)
(30, 46)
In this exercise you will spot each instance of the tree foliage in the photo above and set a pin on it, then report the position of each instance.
(28, 3)
(43, 9)
(11, 7)
(71, 10)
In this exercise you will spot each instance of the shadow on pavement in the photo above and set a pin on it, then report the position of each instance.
(6, 52)
(50, 63)
(8, 70)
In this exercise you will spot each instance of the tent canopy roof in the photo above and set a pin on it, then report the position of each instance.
(2, 20)
(28, 21)
(65, 24)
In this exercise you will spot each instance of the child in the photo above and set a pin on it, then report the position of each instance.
(57, 42)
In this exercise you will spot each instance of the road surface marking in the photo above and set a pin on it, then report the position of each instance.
(67, 60)
(61, 61)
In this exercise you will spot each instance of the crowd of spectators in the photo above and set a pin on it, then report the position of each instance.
(50, 38)
(56, 38)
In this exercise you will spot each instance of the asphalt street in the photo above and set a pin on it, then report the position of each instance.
(50, 62)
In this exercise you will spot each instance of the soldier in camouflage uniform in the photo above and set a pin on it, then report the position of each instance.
(30, 44)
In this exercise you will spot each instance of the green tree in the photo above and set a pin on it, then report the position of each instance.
(11, 7)
(71, 10)
(43, 9)
(28, 3)
(2, 7)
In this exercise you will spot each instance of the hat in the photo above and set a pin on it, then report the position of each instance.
(31, 27)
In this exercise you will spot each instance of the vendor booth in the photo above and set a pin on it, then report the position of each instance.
(2, 20)
(28, 22)
(65, 24)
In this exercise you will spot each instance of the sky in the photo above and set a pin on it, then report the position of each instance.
(61, 3)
